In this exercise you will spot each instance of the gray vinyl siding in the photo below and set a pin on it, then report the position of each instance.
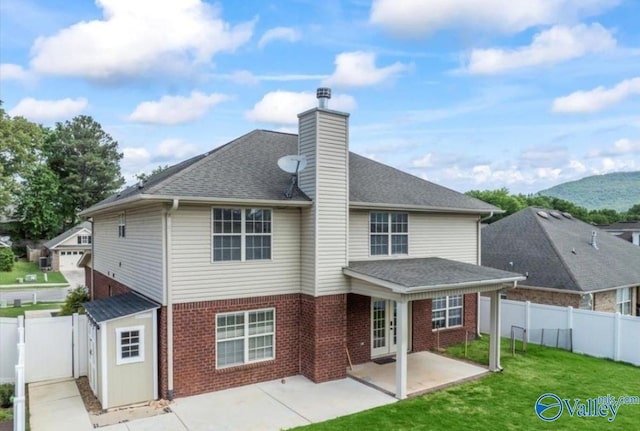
(324, 142)
(430, 235)
(196, 278)
(136, 260)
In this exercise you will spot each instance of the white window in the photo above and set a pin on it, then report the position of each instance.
(240, 235)
(84, 239)
(623, 300)
(121, 226)
(388, 233)
(244, 337)
(446, 312)
(129, 345)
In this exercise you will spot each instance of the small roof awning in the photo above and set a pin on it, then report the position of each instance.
(424, 278)
(115, 307)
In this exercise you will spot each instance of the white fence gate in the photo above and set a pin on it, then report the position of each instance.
(595, 333)
(55, 347)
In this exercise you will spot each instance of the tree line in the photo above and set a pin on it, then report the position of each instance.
(49, 174)
(512, 203)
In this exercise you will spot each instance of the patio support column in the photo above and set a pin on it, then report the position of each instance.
(494, 332)
(402, 328)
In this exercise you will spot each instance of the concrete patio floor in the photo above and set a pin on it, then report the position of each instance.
(426, 372)
(274, 405)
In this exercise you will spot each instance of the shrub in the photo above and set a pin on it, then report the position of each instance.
(7, 258)
(74, 300)
(6, 395)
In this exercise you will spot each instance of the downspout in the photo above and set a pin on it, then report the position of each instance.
(93, 258)
(168, 281)
(479, 254)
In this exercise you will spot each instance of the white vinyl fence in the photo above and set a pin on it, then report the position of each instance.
(595, 333)
(55, 347)
(19, 399)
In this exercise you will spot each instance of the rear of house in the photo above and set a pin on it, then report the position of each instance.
(362, 261)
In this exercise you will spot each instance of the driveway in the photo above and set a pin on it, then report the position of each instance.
(274, 405)
(75, 277)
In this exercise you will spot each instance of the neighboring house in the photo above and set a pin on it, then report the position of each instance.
(66, 249)
(363, 260)
(567, 262)
(626, 230)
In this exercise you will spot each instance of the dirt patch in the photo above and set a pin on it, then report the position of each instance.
(91, 403)
(100, 418)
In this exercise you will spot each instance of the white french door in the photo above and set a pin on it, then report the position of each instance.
(383, 327)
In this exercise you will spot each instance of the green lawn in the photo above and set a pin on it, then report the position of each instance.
(505, 401)
(22, 268)
(12, 311)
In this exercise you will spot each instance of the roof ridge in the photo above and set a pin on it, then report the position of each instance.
(192, 166)
(564, 265)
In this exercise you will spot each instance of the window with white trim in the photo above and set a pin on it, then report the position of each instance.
(446, 311)
(129, 345)
(388, 233)
(84, 239)
(245, 337)
(240, 235)
(623, 300)
(121, 226)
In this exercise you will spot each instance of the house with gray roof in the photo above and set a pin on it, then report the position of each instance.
(567, 262)
(65, 250)
(626, 230)
(261, 272)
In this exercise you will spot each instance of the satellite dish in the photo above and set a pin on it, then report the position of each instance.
(292, 164)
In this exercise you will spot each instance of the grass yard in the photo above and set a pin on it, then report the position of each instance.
(22, 268)
(11, 311)
(505, 401)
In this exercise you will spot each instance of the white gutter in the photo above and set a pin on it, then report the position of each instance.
(369, 205)
(479, 262)
(169, 298)
(193, 199)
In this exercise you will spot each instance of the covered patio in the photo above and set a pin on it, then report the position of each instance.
(426, 372)
(407, 280)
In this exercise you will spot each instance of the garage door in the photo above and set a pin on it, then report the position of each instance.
(69, 259)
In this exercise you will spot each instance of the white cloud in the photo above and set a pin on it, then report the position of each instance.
(283, 107)
(577, 166)
(175, 149)
(423, 162)
(176, 109)
(597, 99)
(287, 34)
(358, 68)
(48, 110)
(139, 38)
(621, 147)
(414, 18)
(551, 46)
(15, 72)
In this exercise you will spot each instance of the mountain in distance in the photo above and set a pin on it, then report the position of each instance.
(618, 191)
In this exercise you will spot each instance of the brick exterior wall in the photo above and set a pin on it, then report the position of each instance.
(421, 325)
(605, 301)
(194, 345)
(323, 337)
(163, 378)
(87, 277)
(454, 335)
(359, 328)
(541, 296)
(107, 286)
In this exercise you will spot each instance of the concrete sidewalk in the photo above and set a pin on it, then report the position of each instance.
(274, 405)
(57, 406)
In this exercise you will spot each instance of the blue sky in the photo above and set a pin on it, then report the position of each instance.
(470, 94)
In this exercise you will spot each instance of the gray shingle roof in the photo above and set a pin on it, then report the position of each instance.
(67, 234)
(114, 307)
(246, 168)
(428, 272)
(557, 253)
